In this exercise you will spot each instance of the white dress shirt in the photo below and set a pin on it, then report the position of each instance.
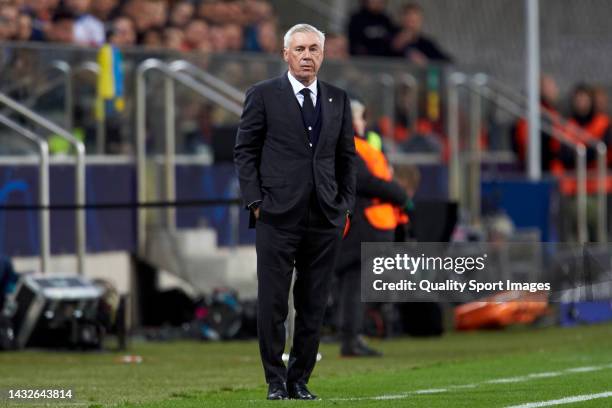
(298, 86)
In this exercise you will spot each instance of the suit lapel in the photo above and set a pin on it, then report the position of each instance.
(326, 113)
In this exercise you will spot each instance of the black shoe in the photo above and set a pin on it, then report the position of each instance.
(358, 348)
(299, 391)
(277, 392)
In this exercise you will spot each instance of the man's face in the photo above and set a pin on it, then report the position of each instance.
(62, 31)
(413, 21)
(233, 33)
(102, 8)
(79, 6)
(582, 103)
(549, 90)
(8, 22)
(124, 34)
(376, 6)
(304, 56)
(181, 14)
(25, 27)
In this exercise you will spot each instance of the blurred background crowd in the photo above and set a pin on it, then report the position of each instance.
(209, 26)
(221, 26)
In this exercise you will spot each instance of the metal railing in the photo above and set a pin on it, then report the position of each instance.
(389, 82)
(93, 68)
(43, 187)
(583, 136)
(208, 79)
(410, 82)
(67, 81)
(455, 80)
(66, 70)
(79, 148)
(170, 77)
(68, 73)
(478, 86)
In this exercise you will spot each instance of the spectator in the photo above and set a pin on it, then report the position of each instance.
(105, 10)
(157, 12)
(174, 39)
(233, 37)
(601, 99)
(223, 12)
(197, 32)
(138, 11)
(122, 32)
(411, 43)
(42, 13)
(336, 47)
(267, 37)
(370, 30)
(260, 27)
(257, 11)
(587, 118)
(181, 14)
(62, 27)
(41, 10)
(218, 40)
(550, 147)
(88, 30)
(153, 38)
(9, 28)
(24, 30)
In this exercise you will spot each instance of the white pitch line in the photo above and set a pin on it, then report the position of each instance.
(584, 369)
(506, 380)
(431, 391)
(567, 400)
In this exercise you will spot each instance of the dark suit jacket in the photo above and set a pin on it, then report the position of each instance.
(276, 164)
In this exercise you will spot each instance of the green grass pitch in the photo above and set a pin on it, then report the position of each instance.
(477, 369)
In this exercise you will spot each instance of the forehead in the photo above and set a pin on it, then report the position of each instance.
(304, 39)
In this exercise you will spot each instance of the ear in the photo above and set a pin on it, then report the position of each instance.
(286, 54)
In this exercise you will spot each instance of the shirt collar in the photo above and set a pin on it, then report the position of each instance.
(298, 86)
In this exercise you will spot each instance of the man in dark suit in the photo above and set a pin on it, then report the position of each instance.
(295, 158)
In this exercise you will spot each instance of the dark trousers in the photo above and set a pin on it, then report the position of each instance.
(350, 307)
(312, 247)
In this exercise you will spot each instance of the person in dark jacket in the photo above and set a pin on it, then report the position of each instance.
(411, 43)
(371, 30)
(585, 116)
(377, 204)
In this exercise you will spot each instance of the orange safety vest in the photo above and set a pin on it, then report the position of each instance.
(521, 138)
(597, 128)
(400, 132)
(380, 215)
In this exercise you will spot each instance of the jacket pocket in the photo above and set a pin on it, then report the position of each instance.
(273, 181)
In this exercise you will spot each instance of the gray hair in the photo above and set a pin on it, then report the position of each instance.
(303, 28)
(357, 107)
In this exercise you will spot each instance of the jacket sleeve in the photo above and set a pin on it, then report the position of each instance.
(345, 160)
(371, 186)
(249, 143)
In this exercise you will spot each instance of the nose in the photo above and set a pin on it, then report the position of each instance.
(307, 55)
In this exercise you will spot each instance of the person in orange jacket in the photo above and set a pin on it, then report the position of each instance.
(585, 116)
(550, 147)
(375, 219)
